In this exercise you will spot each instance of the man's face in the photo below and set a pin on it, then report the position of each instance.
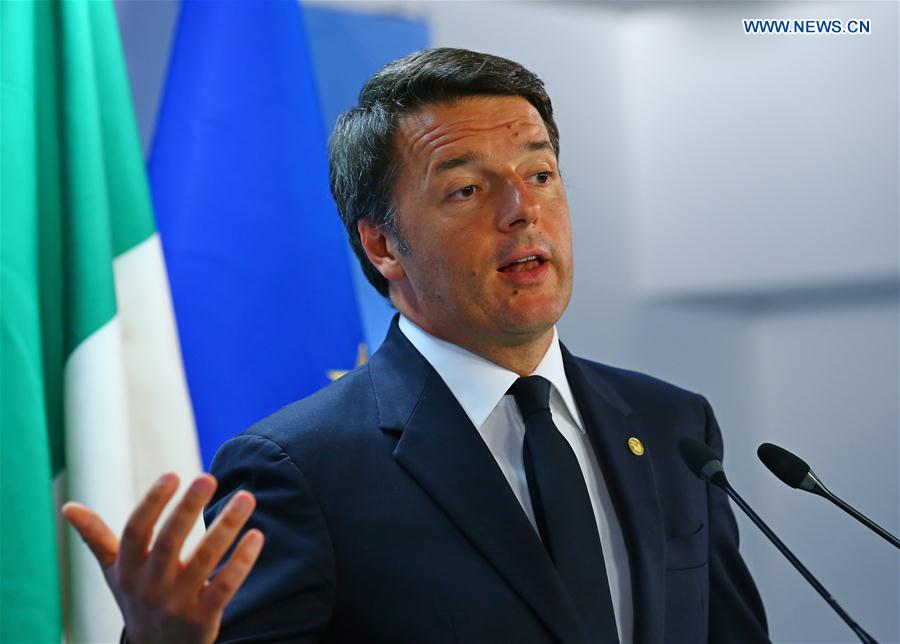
(478, 194)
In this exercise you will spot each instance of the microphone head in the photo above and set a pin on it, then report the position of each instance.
(791, 469)
(700, 459)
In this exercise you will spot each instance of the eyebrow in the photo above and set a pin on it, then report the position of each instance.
(455, 162)
(470, 157)
(537, 146)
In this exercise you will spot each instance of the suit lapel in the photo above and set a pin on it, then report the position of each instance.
(632, 487)
(442, 450)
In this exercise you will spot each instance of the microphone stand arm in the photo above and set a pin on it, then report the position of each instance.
(722, 482)
(814, 485)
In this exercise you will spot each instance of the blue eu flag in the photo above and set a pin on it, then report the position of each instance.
(257, 260)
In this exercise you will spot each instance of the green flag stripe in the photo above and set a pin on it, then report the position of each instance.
(30, 608)
(101, 216)
(74, 197)
(46, 217)
(93, 201)
(91, 38)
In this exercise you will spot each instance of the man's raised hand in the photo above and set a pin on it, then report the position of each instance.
(163, 599)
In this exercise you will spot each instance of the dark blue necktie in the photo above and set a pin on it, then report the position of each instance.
(563, 511)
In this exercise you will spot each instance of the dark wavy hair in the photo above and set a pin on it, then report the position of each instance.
(363, 167)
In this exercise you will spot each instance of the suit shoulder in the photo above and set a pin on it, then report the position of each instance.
(639, 389)
(338, 409)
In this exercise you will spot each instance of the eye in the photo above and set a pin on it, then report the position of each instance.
(464, 193)
(543, 177)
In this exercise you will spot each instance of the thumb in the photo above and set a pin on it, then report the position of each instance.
(95, 533)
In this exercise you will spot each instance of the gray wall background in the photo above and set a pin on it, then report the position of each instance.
(735, 208)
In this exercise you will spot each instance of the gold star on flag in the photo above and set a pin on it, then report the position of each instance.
(362, 355)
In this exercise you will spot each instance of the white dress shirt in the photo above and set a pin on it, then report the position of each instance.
(480, 386)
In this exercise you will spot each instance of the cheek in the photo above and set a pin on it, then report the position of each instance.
(464, 284)
(564, 239)
(469, 264)
(439, 277)
(460, 276)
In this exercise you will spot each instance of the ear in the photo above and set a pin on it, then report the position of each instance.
(381, 250)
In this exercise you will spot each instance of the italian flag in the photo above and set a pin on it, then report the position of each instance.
(94, 402)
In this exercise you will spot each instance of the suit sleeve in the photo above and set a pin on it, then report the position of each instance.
(289, 594)
(736, 612)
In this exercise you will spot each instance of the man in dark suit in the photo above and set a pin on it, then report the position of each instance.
(474, 482)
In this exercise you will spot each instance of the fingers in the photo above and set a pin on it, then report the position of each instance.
(95, 533)
(163, 558)
(218, 539)
(226, 583)
(139, 528)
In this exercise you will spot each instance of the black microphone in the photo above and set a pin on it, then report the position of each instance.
(704, 463)
(793, 471)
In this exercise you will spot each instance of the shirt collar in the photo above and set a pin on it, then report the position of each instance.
(479, 384)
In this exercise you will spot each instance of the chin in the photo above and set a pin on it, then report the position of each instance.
(536, 312)
(530, 322)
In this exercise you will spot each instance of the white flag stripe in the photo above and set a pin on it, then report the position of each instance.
(99, 471)
(162, 425)
(128, 419)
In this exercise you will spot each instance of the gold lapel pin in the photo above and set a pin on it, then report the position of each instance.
(636, 446)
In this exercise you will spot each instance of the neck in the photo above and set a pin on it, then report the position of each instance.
(521, 359)
(520, 355)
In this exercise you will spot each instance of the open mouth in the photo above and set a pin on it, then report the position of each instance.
(528, 263)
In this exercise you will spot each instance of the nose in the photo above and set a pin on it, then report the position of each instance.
(518, 206)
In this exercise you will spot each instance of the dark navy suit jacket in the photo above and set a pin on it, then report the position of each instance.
(387, 519)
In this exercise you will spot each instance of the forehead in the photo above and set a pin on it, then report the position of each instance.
(439, 130)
